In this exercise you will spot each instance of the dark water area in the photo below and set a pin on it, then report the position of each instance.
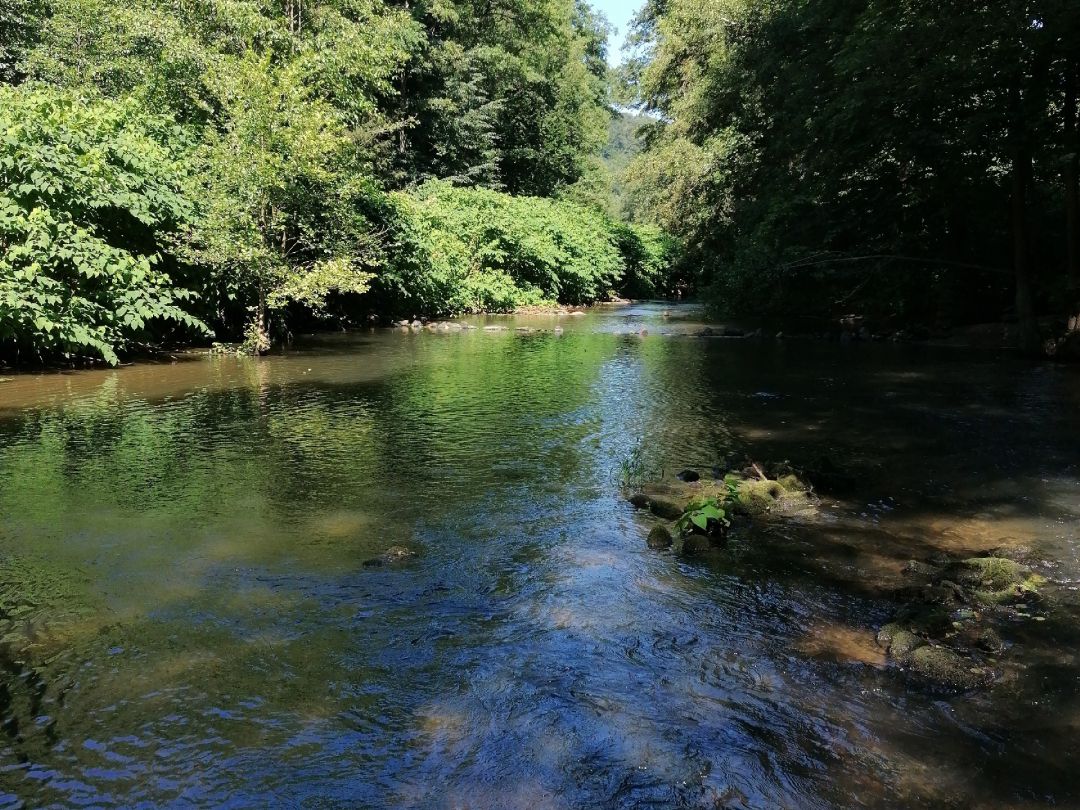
(187, 618)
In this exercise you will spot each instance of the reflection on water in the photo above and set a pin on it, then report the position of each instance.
(187, 619)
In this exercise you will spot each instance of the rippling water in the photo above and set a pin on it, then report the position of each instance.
(188, 619)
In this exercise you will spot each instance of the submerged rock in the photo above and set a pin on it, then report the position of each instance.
(394, 554)
(660, 538)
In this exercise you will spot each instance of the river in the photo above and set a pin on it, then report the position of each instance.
(192, 616)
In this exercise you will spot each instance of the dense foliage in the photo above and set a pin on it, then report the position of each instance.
(88, 193)
(916, 161)
(252, 166)
(470, 250)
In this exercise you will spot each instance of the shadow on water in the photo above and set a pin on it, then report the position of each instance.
(189, 619)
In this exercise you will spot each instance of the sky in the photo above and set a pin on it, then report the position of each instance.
(619, 14)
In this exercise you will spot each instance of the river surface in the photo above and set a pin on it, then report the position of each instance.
(188, 620)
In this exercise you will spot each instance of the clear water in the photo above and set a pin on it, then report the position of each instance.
(188, 621)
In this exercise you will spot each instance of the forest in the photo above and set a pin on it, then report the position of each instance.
(178, 172)
(915, 163)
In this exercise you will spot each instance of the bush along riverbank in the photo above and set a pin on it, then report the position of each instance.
(951, 614)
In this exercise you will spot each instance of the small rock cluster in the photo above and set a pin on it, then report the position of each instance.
(741, 495)
(945, 631)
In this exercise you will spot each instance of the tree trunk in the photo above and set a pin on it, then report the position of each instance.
(259, 336)
(1072, 173)
(1025, 302)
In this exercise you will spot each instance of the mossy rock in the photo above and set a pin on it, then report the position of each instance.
(904, 644)
(927, 619)
(990, 640)
(695, 544)
(640, 500)
(758, 497)
(666, 508)
(1011, 594)
(947, 669)
(920, 570)
(992, 573)
(660, 538)
(792, 483)
(996, 580)
(886, 634)
(899, 641)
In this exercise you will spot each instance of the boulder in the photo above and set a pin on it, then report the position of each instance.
(695, 544)
(996, 580)
(899, 641)
(758, 497)
(660, 538)
(666, 508)
(946, 669)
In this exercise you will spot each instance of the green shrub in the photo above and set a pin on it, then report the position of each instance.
(89, 192)
(471, 250)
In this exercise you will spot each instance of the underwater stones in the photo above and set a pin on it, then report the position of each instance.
(660, 538)
(947, 669)
(919, 570)
(394, 554)
(990, 641)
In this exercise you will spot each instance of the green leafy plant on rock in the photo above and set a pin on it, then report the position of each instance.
(707, 515)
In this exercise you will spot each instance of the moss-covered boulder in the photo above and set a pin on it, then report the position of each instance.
(758, 497)
(792, 483)
(695, 545)
(899, 641)
(660, 538)
(667, 508)
(948, 670)
(996, 580)
(669, 498)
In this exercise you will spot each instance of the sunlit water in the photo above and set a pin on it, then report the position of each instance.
(188, 620)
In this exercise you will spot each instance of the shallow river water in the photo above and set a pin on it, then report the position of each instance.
(188, 619)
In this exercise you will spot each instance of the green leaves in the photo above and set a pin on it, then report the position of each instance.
(708, 516)
(467, 250)
(70, 167)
